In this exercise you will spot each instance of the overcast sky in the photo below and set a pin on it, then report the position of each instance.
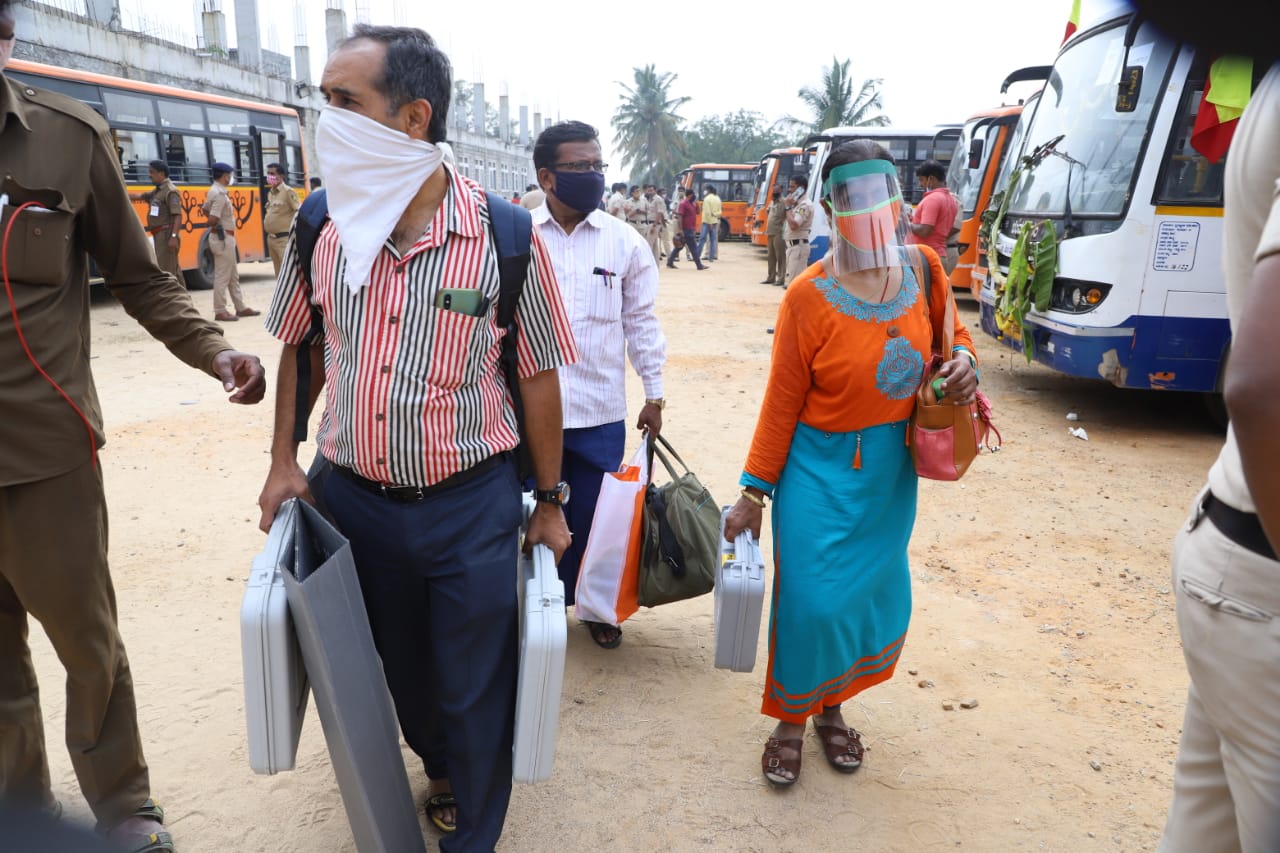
(940, 61)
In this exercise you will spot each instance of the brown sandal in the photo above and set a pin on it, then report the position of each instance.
(772, 761)
(838, 741)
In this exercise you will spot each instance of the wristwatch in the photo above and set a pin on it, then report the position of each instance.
(660, 402)
(558, 494)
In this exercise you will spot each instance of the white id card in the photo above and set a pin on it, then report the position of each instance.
(155, 209)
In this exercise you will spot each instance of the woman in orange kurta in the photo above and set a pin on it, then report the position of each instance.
(851, 343)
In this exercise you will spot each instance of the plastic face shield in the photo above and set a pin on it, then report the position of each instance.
(867, 231)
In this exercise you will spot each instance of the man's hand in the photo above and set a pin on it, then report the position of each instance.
(173, 241)
(284, 481)
(241, 373)
(547, 527)
(650, 418)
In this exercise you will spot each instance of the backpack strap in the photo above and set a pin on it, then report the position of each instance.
(312, 216)
(512, 230)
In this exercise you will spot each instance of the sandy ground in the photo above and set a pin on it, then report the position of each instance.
(1041, 589)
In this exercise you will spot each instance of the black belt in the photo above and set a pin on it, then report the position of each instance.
(797, 242)
(646, 221)
(413, 494)
(1242, 528)
(281, 234)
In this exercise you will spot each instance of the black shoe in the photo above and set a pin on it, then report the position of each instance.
(702, 266)
(671, 266)
(768, 281)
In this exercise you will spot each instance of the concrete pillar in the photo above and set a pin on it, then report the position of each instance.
(105, 12)
(215, 31)
(335, 27)
(504, 118)
(477, 107)
(302, 63)
(537, 123)
(524, 125)
(248, 40)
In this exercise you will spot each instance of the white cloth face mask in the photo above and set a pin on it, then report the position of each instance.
(371, 173)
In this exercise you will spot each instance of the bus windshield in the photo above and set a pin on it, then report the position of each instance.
(763, 180)
(965, 177)
(1097, 149)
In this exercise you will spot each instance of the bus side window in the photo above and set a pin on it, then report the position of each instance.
(1187, 176)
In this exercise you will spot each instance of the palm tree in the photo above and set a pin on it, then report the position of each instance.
(648, 128)
(833, 105)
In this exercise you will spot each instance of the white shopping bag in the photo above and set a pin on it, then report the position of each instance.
(609, 579)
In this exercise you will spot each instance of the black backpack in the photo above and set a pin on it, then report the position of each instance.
(512, 230)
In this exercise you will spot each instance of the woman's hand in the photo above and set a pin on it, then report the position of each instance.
(959, 381)
(744, 515)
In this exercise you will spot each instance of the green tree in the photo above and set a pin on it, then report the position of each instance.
(647, 128)
(833, 103)
(739, 137)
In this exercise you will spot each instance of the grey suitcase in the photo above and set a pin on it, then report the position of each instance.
(275, 681)
(739, 601)
(542, 648)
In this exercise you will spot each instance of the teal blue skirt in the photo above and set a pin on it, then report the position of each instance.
(843, 511)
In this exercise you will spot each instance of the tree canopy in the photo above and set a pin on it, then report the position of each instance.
(833, 104)
(739, 137)
(647, 128)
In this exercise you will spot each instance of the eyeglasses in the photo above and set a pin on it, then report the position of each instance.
(581, 166)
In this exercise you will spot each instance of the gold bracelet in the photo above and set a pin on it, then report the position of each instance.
(758, 501)
(660, 402)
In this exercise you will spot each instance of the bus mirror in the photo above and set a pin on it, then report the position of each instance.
(975, 153)
(1128, 89)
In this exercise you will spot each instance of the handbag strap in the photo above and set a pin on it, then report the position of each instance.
(948, 330)
(654, 450)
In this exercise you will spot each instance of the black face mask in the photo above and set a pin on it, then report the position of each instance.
(580, 191)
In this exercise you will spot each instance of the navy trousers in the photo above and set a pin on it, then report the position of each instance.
(438, 579)
(589, 453)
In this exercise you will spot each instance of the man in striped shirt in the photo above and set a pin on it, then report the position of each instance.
(609, 280)
(418, 424)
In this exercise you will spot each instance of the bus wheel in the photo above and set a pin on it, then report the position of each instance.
(724, 230)
(201, 278)
(1216, 408)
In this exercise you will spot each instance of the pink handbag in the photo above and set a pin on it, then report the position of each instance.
(945, 437)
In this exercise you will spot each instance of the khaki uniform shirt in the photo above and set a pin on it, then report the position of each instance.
(217, 206)
(637, 213)
(58, 153)
(282, 205)
(802, 212)
(164, 210)
(777, 219)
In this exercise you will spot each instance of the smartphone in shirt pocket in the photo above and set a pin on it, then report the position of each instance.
(464, 300)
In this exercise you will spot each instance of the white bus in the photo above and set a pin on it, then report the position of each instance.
(909, 147)
(1137, 298)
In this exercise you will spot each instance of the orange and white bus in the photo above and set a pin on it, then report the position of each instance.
(733, 182)
(189, 130)
(775, 170)
(980, 153)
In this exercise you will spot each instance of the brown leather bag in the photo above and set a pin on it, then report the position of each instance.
(945, 438)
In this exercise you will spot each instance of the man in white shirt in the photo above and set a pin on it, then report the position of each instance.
(608, 281)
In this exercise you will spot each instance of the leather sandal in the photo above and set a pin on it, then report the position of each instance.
(152, 842)
(837, 742)
(772, 761)
(601, 632)
(435, 806)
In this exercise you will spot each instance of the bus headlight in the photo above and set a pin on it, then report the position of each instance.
(1077, 297)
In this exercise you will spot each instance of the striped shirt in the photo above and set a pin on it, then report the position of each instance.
(608, 313)
(413, 392)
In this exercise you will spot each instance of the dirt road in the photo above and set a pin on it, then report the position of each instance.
(1041, 590)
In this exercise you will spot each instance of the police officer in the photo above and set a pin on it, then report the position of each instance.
(797, 222)
(636, 209)
(282, 206)
(222, 243)
(62, 177)
(164, 218)
(655, 219)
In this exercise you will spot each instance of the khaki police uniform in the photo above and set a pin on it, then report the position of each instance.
(777, 218)
(53, 517)
(164, 220)
(653, 211)
(664, 230)
(226, 277)
(282, 206)
(795, 233)
(636, 212)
